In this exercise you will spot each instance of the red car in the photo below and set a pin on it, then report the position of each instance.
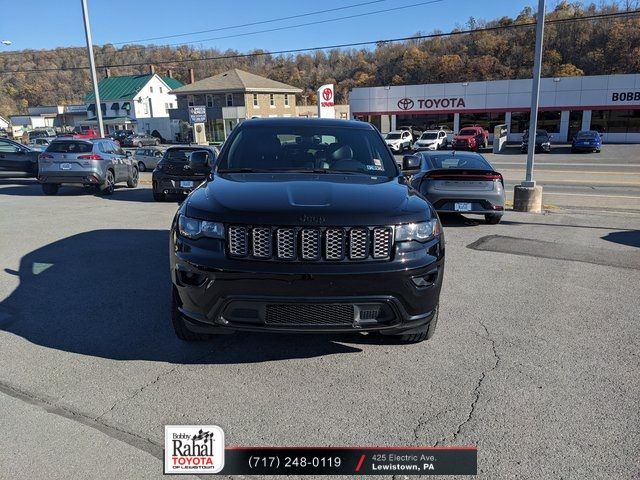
(471, 138)
(84, 133)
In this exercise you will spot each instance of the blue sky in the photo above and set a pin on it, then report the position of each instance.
(58, 23)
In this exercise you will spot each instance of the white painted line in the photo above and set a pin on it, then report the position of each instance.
(588, 195)
(588, 172)
(498, 162)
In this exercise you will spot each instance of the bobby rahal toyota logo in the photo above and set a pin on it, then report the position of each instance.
(193, 449)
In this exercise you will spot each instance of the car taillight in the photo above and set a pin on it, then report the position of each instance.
(45, 156)
(440, 175)
(93, 156)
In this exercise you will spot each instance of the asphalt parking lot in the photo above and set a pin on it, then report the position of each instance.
(535, 358)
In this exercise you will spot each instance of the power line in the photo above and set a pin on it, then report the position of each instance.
(262, 22)
(343, 45)
(277, 29)
(230, 27)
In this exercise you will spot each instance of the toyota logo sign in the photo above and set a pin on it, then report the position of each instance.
(327, 94)
(405, 104)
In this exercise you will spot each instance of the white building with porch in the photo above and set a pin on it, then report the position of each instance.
(135, 102)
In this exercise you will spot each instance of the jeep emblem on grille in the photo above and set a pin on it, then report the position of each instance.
(314, 219)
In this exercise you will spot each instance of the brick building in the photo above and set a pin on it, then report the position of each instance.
(233, 96)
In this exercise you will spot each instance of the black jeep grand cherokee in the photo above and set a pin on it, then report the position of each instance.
(306, 225)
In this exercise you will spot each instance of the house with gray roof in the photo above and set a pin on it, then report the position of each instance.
(232, 96)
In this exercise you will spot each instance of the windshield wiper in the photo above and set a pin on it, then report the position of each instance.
(243, 170)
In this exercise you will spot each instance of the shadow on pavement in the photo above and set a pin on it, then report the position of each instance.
(457, 220)
(629, 237)
(105, 293)
(26, 188)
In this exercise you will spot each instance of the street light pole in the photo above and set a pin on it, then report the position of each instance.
(535, 94)
(527, 197)
(92, 65)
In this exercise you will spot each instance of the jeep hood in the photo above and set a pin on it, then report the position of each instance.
(307, 199)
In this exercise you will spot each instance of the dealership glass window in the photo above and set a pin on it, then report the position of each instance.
(255, 100)
(487, 120)
(575, 122)
(191, 100)
(615, 121)
(272, 100)
(519, 122)
(425, 122)
(549, 121)
(229, 100)
(209, 100)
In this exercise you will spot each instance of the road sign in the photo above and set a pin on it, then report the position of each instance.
(198, 114)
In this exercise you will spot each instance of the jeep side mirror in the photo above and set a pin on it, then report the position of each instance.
(410, 164)
(199, 158)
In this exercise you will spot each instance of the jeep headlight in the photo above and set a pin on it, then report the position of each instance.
(194, 228)
(421, 231)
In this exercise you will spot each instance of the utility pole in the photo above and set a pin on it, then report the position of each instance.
(527, 197)
(92, 65)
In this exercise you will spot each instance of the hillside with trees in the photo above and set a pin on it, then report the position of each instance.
(587, 47)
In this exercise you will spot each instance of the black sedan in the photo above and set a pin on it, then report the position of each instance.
(18, 158)
(543, 141)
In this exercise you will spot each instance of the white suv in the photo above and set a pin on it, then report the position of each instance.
(399, 140)
(432, 140)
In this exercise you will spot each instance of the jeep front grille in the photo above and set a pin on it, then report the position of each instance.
(308, 244)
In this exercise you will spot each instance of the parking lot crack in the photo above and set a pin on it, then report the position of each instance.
(131, 438)
(130, 397)
(137, 392)
(476, 390)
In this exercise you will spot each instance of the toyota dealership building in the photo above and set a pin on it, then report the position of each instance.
(609, 104)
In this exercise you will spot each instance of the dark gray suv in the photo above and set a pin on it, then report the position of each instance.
(99, 163)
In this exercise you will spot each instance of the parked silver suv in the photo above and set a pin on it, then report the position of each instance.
(98, 162)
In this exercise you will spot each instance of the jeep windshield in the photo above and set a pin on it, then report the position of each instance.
(429, 136)
(307, 149)
(393, 136)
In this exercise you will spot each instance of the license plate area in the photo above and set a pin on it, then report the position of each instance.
(186, 184)
(65, 166)
(462, 206)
